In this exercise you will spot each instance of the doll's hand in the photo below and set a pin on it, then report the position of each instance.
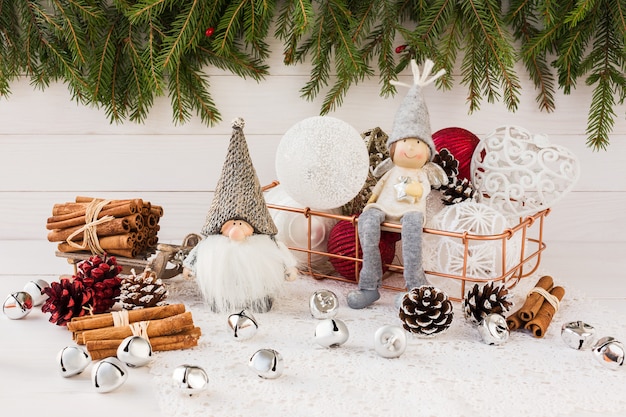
(291, 274)
(415, 189)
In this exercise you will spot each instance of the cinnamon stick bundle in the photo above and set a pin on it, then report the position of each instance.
(534, 301)
(131, 233)
(166, 326)
(536, 313)
(540, 323)
(106, 320)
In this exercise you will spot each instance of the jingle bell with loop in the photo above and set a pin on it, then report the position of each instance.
(35, 288)
(578, 335)
(18, 305)
(243, 325)
(108, 374)
(493, 329)
(190, 379)
(72, 360)
(323, 304)
(609, 352)
(331, 333)
(267, 363)
(135, 351)
(390, 341)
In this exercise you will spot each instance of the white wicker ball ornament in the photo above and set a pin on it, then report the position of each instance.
(322, 162)
(519, 173)
(446, 254)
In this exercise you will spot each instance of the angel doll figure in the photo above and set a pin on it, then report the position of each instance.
(400, 194)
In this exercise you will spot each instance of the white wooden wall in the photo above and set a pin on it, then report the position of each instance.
(52, 149)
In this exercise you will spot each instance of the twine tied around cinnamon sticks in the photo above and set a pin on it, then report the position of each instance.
(539, 308)
(167, 327)
(90, 235)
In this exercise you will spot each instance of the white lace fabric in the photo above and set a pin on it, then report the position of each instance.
(452, 374)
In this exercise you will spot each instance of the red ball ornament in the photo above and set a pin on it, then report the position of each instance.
(461, 143)
(341, 241)
(400, 49)
(209, 32)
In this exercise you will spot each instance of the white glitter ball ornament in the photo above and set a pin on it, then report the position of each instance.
(519, 173)
(446, 254)
(322, 162)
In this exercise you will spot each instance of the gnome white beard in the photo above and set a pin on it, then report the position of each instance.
(235, 275)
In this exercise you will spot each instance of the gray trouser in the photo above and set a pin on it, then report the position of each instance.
(370, 277)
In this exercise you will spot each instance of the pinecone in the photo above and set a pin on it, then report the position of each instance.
(143, 290)
(66, 299)
(458, 191)
(426, 311)
(100, 274)
(488, 299)
(449, 164)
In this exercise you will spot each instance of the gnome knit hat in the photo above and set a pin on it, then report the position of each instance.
(412, 119)
(238, 195)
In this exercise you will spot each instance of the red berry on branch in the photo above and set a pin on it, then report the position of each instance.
(400, 48)
(209, 32)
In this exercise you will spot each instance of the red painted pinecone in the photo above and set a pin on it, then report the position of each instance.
(101, 274)
(67, 298)
(426, 311)
(483, 300)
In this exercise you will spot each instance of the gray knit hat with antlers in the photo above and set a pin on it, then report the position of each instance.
(412, 119)
(238, 195)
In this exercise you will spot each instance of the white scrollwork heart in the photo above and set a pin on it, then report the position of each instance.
(519, 173)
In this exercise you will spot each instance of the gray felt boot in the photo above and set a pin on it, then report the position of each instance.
(362, 298)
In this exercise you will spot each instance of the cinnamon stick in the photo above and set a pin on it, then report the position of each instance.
(539, 324)
(156, 342)
(106, 320)
(534, 301)
(70, 209)
(169, 325)
(114, 227)
(514, 322)
(63, 222)
(105, 353)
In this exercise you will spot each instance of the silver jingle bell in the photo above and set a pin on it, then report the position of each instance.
(108, 374)
(267, 363)
(190, 379)
(323, 304)
(390, 341)
(493, 329)
(331, 333)
(35, 288)
(72, 360)
(17, 305)
(243, 325)
(135, 351)
(578, 335)
(609, 352)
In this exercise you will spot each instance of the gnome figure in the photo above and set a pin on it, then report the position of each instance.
(400, 194)
(239, 264)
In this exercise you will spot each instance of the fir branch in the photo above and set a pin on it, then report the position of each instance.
(180, 36)
(522, 18)
(607, 61)
(293, 21)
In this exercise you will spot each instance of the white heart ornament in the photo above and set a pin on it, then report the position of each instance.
(519, 173)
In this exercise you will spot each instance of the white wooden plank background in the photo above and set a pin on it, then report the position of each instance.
(52, 149)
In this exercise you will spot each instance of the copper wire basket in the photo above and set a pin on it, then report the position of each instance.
(529, 230)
